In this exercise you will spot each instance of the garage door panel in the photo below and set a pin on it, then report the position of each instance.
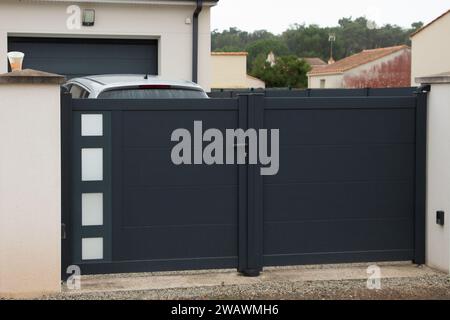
(54, 47)
(354, 200)
(79, 67)
(81, 57)
(199, 206)
(338, 236)
(176, 242)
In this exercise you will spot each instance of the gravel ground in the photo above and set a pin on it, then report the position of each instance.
(427, 287)
(415, 284)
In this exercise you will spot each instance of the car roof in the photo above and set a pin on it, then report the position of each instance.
(100, 83)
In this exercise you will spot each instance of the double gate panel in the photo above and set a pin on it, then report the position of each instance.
(350, 186)
(156, 215)
(346, 187)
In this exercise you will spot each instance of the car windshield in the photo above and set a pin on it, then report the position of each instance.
(153, 94)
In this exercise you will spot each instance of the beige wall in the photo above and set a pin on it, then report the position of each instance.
(331, 81)
(229, 71)
(163, 22)
(30, 206)
(438, 183)
(431, 49)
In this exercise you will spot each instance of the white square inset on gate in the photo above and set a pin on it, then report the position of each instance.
(92, 209)
(92, 249)
(92, 125)
(92, 164)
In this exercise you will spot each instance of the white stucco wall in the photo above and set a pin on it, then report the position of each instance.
(30, 192)
(438, 181)
(331, 81)
(167, 23)
(431, 49)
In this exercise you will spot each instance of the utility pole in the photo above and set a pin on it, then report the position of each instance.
(331, 39)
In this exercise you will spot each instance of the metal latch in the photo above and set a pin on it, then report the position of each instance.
(63, 231)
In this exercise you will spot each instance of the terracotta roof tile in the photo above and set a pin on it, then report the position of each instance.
(356, 60)
(315, 62)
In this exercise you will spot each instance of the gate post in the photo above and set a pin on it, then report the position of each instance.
(66, 182)
(251, 115)
(30, 184)
(438, 170)
(421, 176)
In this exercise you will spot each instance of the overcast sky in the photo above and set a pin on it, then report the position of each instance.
(277, 15)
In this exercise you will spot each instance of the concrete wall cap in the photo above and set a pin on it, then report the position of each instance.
(435, 79)
(29, 76)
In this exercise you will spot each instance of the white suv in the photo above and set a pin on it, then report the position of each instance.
(132, 87)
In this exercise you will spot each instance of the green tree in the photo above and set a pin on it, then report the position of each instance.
(236, 39)
(288, 71)
(307, 41)
(301, 41)
(416, 26)
(264, 47)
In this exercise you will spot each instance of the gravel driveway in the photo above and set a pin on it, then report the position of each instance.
(399, 281)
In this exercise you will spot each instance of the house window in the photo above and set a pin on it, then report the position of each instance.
(322, 83)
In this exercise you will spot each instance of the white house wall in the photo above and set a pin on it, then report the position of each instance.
(438, 180)
(431, 49)
(331, 81)
(167, 23)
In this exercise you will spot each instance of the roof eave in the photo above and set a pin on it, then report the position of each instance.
(428, 24)
(325, 73)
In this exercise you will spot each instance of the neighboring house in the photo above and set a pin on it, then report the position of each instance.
(315, 63)
(271, 59)
(431, 48)
(229, 71)
(377, 68)
(170, 38)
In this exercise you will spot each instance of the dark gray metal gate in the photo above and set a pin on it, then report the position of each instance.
(351, 185)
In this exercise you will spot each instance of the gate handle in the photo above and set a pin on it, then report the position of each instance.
(63, 231)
